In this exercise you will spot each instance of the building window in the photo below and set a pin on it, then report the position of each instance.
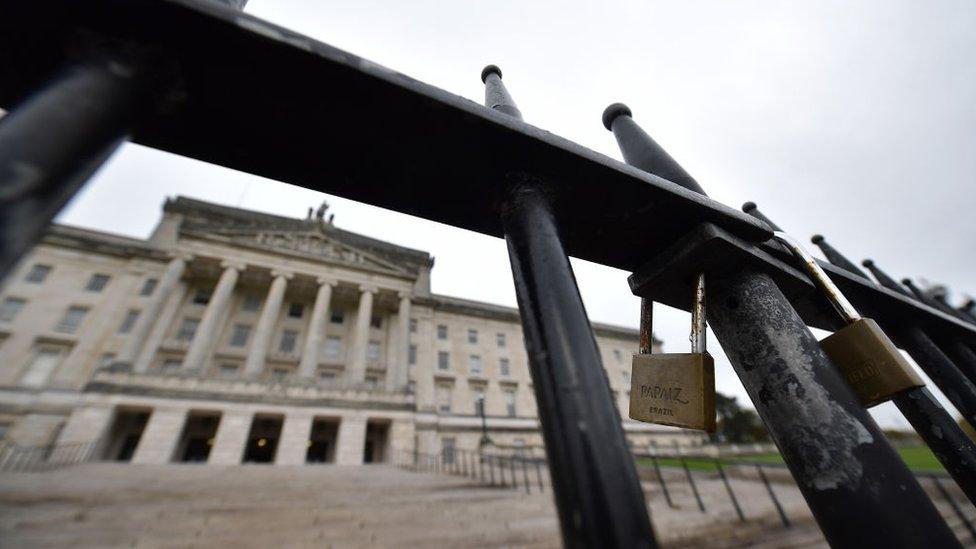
(187, 329)
(443, 360)
(279, 374)
(148, 287)
(171, 365)
(500, 340)
(10, 307)
(287, 342)
(38, 273)
(479, 403)
(227, 370)
(617, 355)
(375, 322)
(625, 377)
(337, 316)
(444, 399)
(472, 336)
(510, 403)
(441, 331)
(333, 347)
(42, 366)
(413, 325)
(326, 376)
(129, 321)
(97, 283)
(238, 337)
(71, 320)
(474, 364)
(372, 382)
(447, 451)
(519, 447)
(296, 310)
(412, 354)
(373, 351)
(503, 367)
(106, 360)
(252, 303)
(202, 297)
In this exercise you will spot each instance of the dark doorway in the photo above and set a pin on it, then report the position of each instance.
(125, 434)
(262, 441)
(197, 438)
(377, 436)
(322, 441)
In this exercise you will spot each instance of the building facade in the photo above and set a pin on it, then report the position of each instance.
(235, 336)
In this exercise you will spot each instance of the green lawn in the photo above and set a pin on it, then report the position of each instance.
(918, 458)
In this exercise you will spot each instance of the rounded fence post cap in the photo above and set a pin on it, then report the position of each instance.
(612, 112)
(868, 263)
(817, 238)
(748, 206)
(490, 69)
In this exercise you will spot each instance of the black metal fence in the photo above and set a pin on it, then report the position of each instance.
(51, 456)
(78, 78)
(515, 472)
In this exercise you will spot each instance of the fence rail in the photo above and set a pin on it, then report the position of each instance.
(35, 458)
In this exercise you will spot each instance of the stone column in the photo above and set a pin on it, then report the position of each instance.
(396, 372)
(159, 330)
(228, 448)
(212, 319)
(356, 361)
(151, 312)
(351, 440)
(258, 352)
(162, 433)
(316, 330)
(293, 446)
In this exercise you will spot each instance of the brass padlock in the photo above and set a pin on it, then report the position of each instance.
(676, 389)
(867, 359)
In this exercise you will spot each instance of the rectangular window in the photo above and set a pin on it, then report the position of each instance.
(413, 325)
(10, 307)
(327, 376)
(287, 342)
(333, 347)
(500, 340)
(129, 321)
(412, 354)
(376, 322)
(238, 337)
(372, 382)
(472, 336)
(202, 297)
(443, 360)
(252, 303)
(444, 398)
(279, 374)
(617, 355)
(148, 287)
(171, 365)
(474, 364)
(373, 351)
(97, 283)
(187, 329)
(625, 377)
(42, 366)
(296, 310)
(38, 273)
(337, 316)
(71, 320)
(441, 331)
(519, 447)
(447, 451)
(503, 367)
(510, 403)
(105, 360)
(227, 370)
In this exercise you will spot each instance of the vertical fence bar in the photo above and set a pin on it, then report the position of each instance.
(597, 490)
(511, 462)
(728, 488)
(491, 470)
(772, 496)
(660, 478)
(845, 468)
(691, 482)
(525, 476)
(955, 507)
(538, 474)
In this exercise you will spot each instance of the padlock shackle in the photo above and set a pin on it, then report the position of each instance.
(820, 278)
(697, 336)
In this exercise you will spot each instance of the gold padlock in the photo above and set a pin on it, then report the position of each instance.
(867, 359)
(676, 389)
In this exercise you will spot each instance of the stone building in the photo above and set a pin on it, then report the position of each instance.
(236, 336)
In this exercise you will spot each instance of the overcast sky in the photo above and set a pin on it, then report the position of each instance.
(856, 120)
